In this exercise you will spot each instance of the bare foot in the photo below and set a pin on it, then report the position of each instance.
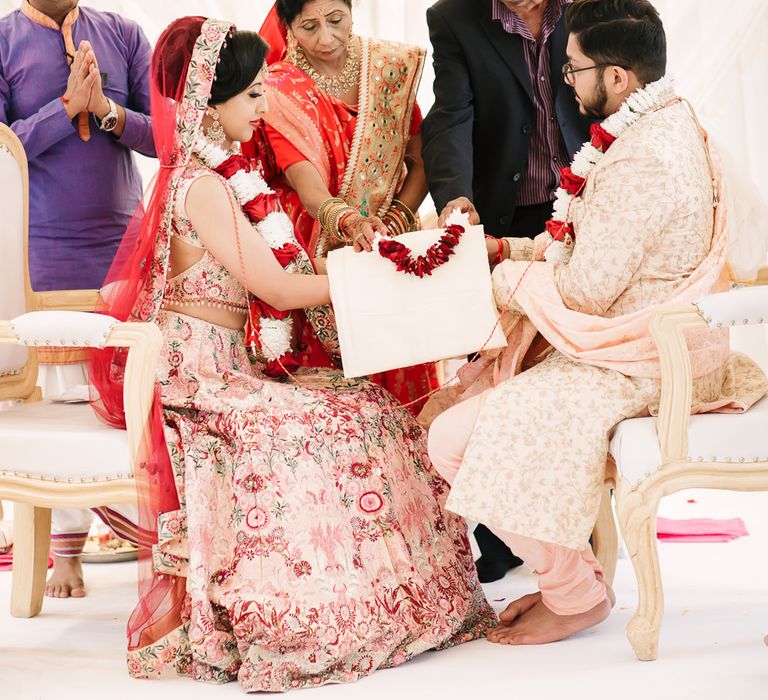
(66, 579)
(517, 607)
(540, 625)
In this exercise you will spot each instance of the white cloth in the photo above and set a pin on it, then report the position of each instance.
(388, 319)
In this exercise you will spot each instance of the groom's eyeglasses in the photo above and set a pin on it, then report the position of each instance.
(569, 70)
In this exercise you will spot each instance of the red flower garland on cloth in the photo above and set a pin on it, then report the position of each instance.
(435, 256)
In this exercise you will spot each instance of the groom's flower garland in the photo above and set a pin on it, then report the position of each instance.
(572, 180)
(271, 331)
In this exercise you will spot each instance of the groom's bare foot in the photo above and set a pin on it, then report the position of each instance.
(528, 621)
(522, 605)
(539, 625)
(518, 607)
(67, 578)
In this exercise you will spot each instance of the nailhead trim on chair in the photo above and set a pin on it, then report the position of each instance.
(69, 480)
(733, 322)
(725, 460)
(63, 342)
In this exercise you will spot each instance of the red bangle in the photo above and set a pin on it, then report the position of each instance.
(500, 255)
(343, 218)
(500, 245)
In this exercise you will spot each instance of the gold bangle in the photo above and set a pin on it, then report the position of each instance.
(326, 213)
(395, 223)
(335, 229)
(405, 209)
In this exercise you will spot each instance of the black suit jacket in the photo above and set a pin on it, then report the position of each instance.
(476, 135)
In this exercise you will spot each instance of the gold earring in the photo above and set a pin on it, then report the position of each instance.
(293, 48)
(215, 132)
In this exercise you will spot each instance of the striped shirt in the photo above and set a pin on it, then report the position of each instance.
(547, 152)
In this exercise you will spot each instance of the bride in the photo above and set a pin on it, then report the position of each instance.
(297, 524)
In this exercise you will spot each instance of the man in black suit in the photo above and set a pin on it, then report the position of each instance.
(502, 125)
(501, 109)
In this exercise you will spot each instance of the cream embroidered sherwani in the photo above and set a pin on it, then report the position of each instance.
(535, 463)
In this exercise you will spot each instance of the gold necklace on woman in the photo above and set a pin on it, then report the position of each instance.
(337, 85)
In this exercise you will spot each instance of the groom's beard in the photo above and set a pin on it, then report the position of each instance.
(594, 105)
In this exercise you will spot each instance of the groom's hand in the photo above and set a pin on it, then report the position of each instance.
(464, 206)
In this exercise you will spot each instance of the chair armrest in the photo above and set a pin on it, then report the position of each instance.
(667, 328)
(737, 307)
(742, 306)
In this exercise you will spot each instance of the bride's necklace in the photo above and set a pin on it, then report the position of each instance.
(337, 85)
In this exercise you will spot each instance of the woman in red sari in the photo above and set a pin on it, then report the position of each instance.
(344, 127)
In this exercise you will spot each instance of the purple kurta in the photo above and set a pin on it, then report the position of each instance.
(82, 193)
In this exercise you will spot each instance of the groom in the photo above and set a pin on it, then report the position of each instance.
(526, 455)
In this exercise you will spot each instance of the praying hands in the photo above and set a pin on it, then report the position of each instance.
(85, 90)
(82, 78)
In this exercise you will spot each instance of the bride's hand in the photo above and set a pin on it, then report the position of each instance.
(321, 266)
(362, 230)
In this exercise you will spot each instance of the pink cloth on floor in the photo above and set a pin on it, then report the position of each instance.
(6, 562)
(700, 530)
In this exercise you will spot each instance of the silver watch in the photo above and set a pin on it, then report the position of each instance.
(109, 121)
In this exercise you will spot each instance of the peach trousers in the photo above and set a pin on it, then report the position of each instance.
(568, 578)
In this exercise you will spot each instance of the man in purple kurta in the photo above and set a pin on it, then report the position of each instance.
(82, 192)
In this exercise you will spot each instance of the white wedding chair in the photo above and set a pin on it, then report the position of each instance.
(654, 457)
(56, 455)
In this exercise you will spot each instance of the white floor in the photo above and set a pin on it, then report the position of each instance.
(711, 643)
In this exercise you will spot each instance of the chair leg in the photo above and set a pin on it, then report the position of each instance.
(32, 528)
(605, 539)
(638, 526)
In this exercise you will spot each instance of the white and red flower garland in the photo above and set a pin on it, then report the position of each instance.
(269, 330)
(572, 179)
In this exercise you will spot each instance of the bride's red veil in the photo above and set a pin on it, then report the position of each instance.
(182, 72)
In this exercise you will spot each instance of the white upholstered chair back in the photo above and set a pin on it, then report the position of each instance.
(14, 290)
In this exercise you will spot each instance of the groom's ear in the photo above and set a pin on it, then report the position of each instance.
(619, 79)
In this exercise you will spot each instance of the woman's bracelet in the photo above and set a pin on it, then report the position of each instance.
(324, 209)
(395, 222)
(401, 206)
(344, 216)
(399, 218)
(330, 215)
